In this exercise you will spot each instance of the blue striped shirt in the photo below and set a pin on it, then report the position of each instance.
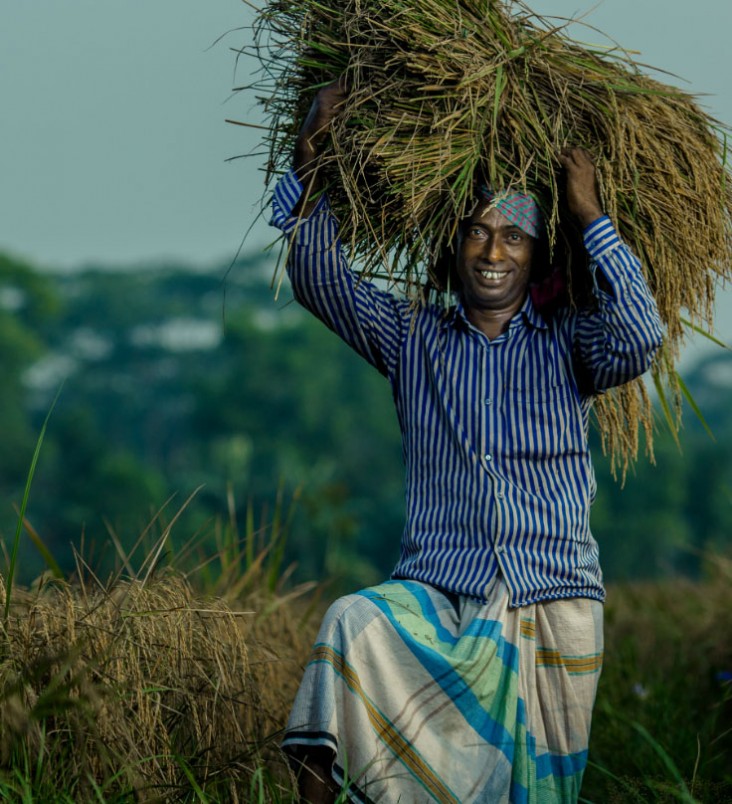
(495, 432)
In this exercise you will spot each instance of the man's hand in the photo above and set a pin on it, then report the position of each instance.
(315, 129)
(583, 198)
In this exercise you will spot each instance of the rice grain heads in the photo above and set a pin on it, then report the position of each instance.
(138, 687)
(444, 91)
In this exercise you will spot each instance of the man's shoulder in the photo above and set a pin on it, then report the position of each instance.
(423, 312)
(433, 316)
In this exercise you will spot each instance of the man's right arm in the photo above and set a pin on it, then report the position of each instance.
(310, 142)
(371, 321)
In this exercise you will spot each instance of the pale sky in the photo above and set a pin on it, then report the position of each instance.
(113, 141)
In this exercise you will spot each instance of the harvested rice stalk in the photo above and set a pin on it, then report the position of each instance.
(444, 91)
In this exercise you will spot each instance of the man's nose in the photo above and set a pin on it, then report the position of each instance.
(494, 250)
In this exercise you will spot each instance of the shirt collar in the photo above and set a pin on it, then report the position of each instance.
(527, 314)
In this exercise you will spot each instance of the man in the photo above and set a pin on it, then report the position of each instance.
(470, 676)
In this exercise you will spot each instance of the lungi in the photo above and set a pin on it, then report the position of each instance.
(424, 696)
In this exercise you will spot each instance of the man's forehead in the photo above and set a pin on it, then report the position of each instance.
(486, 213)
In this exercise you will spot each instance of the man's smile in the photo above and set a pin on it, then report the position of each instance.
(493, 274)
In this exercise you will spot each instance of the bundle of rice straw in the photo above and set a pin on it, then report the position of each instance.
(442, 91)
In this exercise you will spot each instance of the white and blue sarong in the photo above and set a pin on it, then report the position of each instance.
(424, 696)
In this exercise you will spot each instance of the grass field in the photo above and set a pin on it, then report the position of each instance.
(172, 682)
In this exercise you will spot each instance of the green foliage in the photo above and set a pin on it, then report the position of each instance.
(27, 303)
(149, 412)
(296, 407)
(669, 513)
(178, 380)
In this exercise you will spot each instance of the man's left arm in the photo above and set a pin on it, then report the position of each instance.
(616, 342)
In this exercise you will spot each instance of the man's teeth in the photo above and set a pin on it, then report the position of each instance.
(491, 274)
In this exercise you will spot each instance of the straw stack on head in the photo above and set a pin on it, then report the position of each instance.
(443, 92)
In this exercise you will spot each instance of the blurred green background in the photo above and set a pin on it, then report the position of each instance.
(178, 381)
(121, 278)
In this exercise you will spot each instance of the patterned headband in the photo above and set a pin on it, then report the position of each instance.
(520, 209)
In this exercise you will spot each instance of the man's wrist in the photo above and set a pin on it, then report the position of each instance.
(305, 160)
(589, 216)
(305, 166)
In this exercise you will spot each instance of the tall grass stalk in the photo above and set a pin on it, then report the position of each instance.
(21, 513)
(674, 787)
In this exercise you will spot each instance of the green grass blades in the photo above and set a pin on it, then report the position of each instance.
(21, 513)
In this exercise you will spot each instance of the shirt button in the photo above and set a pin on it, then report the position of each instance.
(499, 495)
(488, 457)
(487, 400)
(500, 549)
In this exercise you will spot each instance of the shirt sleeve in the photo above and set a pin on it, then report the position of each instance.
(370, 320)
(617, 341)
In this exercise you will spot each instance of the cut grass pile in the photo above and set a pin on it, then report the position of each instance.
(143, 690)
(442, 92)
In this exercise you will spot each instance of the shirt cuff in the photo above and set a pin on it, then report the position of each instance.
(600, 237)
(287, 193)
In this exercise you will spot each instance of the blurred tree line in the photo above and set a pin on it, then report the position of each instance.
(175, 381)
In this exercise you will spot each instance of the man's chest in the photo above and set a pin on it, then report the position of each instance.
(511, 397)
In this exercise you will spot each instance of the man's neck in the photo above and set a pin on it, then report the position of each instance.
(491, 323)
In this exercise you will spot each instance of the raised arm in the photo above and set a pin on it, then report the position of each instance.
(368, 319)
(583, 198)
(311, 139)
(616, 342)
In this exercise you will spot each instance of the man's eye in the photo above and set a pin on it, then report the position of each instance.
(475, 232)
(515, 237)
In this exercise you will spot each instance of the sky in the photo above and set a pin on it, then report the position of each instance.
(114, 145)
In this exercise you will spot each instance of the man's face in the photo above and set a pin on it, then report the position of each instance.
(494, 262)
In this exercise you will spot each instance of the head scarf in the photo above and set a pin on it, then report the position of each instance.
(521, 210)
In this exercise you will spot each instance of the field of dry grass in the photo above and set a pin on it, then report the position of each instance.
(146, 689)
(162, 688)
(662, 729)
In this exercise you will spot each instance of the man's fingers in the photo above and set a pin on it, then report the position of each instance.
(337, 89)
(577, 158)
(329, 100)
(582, 194)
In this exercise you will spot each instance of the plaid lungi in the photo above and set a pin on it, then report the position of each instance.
(424, 696)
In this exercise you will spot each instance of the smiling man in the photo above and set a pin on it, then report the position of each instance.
(470, 675)
(494, 266)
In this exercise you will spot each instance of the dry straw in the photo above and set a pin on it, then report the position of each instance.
(442, 91)
(148, 685)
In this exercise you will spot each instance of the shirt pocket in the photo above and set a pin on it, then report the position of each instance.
(537, 417)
